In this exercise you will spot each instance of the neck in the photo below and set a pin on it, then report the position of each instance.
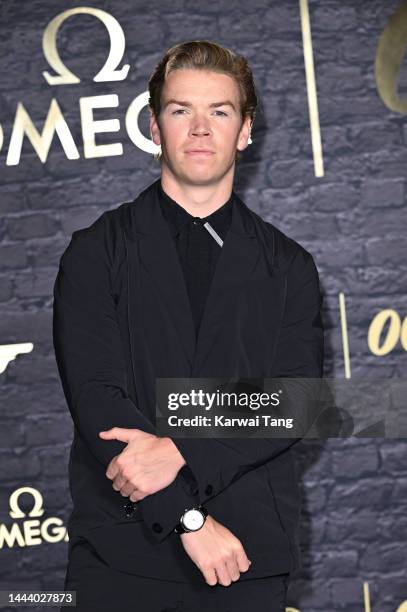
(197, 200)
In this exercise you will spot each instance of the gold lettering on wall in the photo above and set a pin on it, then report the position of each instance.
(29, 529)
(108, 72)
(389, 58)
(54, 122)
(90, 127)
(397, 330)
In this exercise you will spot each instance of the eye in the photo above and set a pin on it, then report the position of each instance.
(182, 110)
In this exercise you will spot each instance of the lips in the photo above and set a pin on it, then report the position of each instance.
(200, 152)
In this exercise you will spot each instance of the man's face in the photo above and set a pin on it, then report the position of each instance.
(191, 118)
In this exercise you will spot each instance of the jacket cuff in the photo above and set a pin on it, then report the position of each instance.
(162, 511)
(207, 465)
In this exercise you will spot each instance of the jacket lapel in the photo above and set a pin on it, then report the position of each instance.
(151, 242)
(159, 256)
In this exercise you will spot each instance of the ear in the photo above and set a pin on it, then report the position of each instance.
(155, 130)
(244, 134)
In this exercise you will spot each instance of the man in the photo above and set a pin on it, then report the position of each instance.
(185, 281)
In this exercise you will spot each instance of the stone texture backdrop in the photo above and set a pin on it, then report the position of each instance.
(353, 220)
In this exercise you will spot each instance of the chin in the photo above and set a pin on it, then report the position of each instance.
(203, 178)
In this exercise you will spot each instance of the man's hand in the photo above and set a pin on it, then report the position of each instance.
(147, 464)
(216, 552)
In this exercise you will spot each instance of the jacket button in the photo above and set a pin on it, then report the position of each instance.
(157, 527)
(209, 489)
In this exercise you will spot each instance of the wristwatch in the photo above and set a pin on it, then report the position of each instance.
(193, 519)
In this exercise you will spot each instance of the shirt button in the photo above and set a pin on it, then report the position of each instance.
(209, 490)
(157, 527)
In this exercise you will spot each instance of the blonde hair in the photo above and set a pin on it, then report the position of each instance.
(204, 55)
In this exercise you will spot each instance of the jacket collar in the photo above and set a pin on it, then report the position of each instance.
(146, 216)
(179, 219)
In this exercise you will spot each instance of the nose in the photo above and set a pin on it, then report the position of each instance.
(200, 126)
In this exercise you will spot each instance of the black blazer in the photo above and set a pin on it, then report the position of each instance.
(122, 318)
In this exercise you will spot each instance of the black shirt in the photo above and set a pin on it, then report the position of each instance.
(197, 248)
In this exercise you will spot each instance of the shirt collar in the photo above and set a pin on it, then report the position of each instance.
(180, 219)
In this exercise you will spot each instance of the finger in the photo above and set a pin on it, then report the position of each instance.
(140, 496)
(127, 489)
(109, 434)
(112, 468)
(233, 569)
(210, 576)
(119, 482)
(117, 433)
(243, 562)
(223, 574)
(135, 496)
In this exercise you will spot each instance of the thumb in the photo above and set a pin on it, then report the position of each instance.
(116, 433)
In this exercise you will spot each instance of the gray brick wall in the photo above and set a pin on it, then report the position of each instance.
(353, 220)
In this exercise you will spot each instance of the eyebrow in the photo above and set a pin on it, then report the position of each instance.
(213, 105)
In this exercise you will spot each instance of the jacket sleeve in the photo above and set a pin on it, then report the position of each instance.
(91, 365)
(216, 462)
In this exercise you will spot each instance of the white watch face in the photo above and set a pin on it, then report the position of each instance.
(193, 519)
